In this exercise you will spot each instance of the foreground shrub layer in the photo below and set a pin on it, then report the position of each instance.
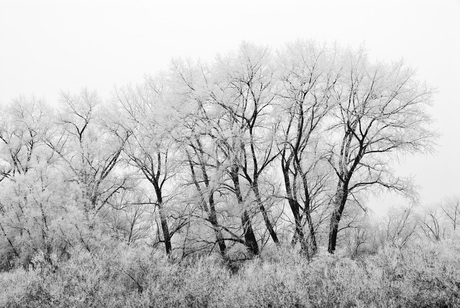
(425, 275)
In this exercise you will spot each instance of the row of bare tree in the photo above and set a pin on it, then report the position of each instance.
(257, 146)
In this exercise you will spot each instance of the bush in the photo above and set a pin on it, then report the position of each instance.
(421, 275)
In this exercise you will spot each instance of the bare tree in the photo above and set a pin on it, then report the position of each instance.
(24, 124)
(399, 226)
(451, 209)
(89, 153)
(250, 84)
(28, 209)
(380, 111)
(204, 141)
(234, 99)
(308, 76)
(151, 150)
(432, 225)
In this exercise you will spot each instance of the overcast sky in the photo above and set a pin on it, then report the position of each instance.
(49, 46)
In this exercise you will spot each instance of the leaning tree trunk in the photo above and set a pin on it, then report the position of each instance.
(268, 224)
(340, 200)
(163, 222)
(211, 210)
(213, 219)
(165, 230)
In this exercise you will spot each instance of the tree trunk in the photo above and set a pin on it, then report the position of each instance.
(16, 253)
(165, 229)
(311, 228)
(339, 204)
(306, 206)
(295, 209)
(267, 221)
(211, 211)
(163, 221)
(215, 225)
(249, 236)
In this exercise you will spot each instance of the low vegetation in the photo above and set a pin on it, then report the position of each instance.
(424, 274)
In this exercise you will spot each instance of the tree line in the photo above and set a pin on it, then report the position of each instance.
(257, 147)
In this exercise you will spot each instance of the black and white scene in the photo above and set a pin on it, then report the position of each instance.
(229, 153)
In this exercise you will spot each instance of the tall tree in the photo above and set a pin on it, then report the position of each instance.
(246, 95)
(308, 76)
(200, 130)
(89, 153)
(380, 110)
(32, 203)
(151, 149)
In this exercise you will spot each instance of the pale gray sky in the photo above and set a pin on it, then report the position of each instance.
(49, 46)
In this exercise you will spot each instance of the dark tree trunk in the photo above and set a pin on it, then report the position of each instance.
(340, 200)
(211, 211)
(165, 229)
(295, 208)
(267, 221)
(311, 228)
(215, 225)
(249, 236)
(163, 220)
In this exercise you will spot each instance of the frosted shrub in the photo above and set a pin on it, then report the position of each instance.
(262, 284)
(15, 285)
(334, 281)
(420, 275)
(431, 273)
(198, 284)
(204, 283)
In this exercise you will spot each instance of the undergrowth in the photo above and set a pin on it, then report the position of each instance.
(422, 275)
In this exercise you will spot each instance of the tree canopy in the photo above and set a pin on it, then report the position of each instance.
(258, 147)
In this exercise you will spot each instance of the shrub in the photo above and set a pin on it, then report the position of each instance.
(420, 275)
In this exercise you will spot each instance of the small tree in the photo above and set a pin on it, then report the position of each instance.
(451, 209)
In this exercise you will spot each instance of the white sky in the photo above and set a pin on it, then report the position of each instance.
(49, 46)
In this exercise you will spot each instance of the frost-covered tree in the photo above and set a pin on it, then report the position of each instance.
(144, 114)
(380, 111)
(308, 74)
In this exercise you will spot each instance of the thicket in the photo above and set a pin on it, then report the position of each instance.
(421, 275)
